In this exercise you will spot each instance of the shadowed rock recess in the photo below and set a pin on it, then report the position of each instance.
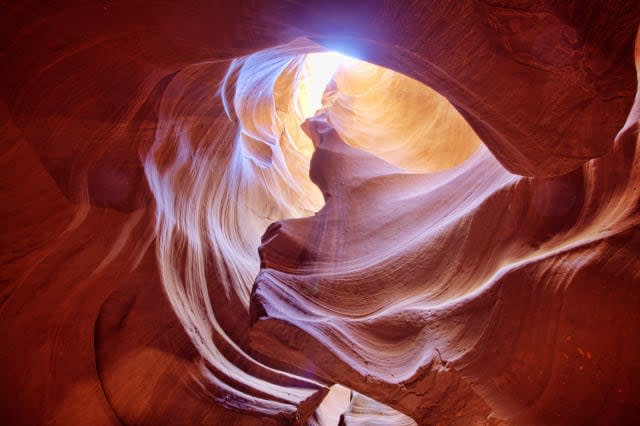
(289, 212)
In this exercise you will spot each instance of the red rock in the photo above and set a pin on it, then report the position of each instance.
(145, 158)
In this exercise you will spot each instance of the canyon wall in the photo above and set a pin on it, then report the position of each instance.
(452, 239)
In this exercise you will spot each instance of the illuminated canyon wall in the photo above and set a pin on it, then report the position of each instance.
(206, 220)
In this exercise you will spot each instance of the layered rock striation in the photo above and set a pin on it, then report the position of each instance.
(452, 238)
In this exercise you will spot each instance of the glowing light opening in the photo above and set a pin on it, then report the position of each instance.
(319, 70)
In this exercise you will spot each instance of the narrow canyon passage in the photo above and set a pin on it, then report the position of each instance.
(320, 213)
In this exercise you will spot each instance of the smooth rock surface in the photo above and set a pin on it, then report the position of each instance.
(176, 250)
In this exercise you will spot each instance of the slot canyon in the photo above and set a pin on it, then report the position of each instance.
(355, 212)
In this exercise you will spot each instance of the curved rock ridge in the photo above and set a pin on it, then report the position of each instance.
(479, 312)
(217, 184)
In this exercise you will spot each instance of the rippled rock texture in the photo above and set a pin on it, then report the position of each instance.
(447, 233)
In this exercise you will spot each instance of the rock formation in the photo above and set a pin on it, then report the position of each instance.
(449, 235)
